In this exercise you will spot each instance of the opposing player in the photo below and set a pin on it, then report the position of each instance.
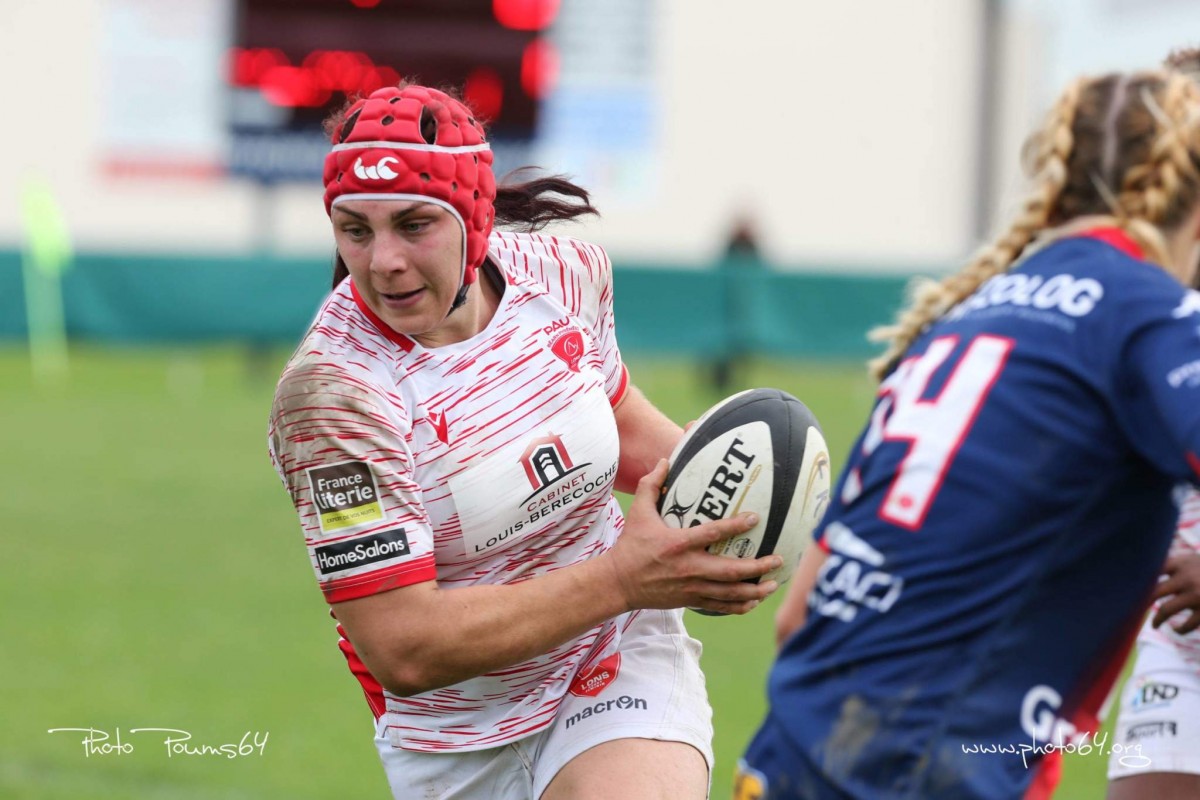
(1158, 726)
(1159, 714)
(997, 531)
(451, 430)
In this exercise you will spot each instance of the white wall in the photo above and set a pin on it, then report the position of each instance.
(847, 126)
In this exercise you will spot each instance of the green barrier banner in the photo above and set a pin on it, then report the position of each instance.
(727, 310)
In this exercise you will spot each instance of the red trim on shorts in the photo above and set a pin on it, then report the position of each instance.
(371, 687)
(1117, 238)
(622, 387)
(387, 330)
(417, 570)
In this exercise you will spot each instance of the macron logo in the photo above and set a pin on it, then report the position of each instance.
(379, 171)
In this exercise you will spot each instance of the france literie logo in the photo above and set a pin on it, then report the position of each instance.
(345, 495)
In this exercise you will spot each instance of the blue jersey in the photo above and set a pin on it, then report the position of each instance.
(997, 529)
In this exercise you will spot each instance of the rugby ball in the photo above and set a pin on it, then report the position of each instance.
(760, 450)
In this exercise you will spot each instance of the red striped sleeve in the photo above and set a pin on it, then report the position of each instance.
(622, 387)
(416, 570)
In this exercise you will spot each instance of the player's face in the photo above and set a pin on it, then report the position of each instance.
(405, 258)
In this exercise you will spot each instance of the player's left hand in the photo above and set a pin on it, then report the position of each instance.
(1180, 587)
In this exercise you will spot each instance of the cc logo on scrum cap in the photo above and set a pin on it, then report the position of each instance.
(379, 171)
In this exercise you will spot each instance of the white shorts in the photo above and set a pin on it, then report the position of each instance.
(1159, 723)
(658, 693)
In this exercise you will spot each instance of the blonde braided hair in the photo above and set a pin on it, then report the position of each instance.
(1185, 60)
(1156, 194)
(1156, 150)
(1045, 155)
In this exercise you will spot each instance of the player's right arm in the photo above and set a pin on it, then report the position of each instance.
(422, 637)
(340, 446)
(1158, 368)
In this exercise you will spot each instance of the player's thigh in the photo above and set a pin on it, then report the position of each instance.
(633, 768)
(1157, 785)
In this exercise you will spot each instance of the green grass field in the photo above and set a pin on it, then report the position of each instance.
(155, 577)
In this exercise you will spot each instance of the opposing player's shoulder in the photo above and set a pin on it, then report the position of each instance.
(1093, 281)
(1146, 294)
(1116, 269)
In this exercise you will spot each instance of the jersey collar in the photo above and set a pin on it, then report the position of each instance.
(1115, 237)
(406, 344)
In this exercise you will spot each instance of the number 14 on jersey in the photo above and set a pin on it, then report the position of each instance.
(933, 427)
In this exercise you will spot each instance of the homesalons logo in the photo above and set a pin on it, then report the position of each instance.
(381, 546)
(345, 495)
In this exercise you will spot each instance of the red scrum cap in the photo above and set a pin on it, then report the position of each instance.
(416, 143)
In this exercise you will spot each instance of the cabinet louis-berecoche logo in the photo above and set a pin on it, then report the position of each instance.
(547, 461)
(345, 495)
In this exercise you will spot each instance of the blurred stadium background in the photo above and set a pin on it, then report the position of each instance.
(771, 174)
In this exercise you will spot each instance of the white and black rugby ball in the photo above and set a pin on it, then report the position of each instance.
(760, 450)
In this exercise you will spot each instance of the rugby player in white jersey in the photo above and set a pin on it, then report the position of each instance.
(451, 430)
(1158, 727)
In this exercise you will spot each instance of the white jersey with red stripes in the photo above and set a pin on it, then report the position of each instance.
(1186, 542)
(487, 461)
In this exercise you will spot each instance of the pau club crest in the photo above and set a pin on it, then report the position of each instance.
(568, 345)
